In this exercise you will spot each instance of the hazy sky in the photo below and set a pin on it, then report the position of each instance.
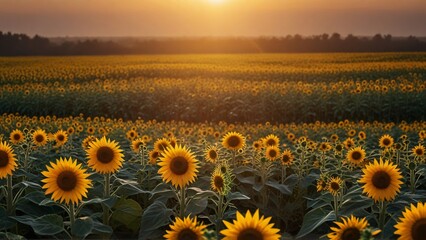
(210, 18)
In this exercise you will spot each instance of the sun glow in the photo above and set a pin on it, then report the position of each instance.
(216, 1)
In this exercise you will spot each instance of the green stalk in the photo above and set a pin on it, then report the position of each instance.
(182, 202)
(72, 218)
(107, 194)
(382, 214)
(9, 199)
(219, 215)
(336, 206)
(412, 181)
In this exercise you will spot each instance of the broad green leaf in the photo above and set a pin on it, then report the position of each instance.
(127, 212)
(101, 228)
(155, 216)
(48, 225)
(82, 227)
(314, 219)
(5, 221)
(236, 196)
(284, 189)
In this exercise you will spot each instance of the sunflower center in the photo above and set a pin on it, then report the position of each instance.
(386, 142)
(351, 234)
(105, 154)
(356, 155)
(419, 151)
(271, 142)
(187, 234)
(272, 153)
(39, 138)
(16, 136)
(179, 165)
(381, 180)
(61, 138)
(285, 158)
(212, 154)
(4, 158)
(66, 180)
(218, 182)
(418, 231)
(335, 186)
(250, 234)
(233, 141)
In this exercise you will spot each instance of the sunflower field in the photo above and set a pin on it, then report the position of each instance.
(186, 147)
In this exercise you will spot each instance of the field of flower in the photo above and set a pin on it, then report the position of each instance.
(255, 147)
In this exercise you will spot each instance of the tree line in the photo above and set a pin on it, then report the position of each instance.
(13, 44)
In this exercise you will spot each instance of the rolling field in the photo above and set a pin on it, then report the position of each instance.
(191, 146)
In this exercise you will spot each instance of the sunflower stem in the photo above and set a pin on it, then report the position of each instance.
(182, 202)
(382, 214)
(336, 206)
(219, 215)
(9, 199)
(412, 180)
(107, 194)
(72, 217)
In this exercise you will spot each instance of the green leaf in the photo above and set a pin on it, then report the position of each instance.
(314, 219)
(82, 227)
(127, 212)
(11, 236)
(236, 196)
(196, 206)
(49, 225)
(101, 228)
(155, 216)
(5, 221)
(284, 189)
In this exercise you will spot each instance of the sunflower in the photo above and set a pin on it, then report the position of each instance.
(251, 227)
(334, 137)
(86, 142)
(233, 141)
(66, 181)
(137, 144)
(40, 138)
(321, 185)
(271, 140)
(325, 147)
(218, 182)
(334, 185)
(349, 143)
(104, 156)
(16, 136)
(418, 150)
(287, 158)
(161, 144)
(351, 132)
(153, 156)
(356, 156)
(131, 134)
(272, 153)
(350, 229)
(178, 165)
(412, 226)
(362, 135)
(291, 137)
(60, 137)
(386, 141)
(381, 180)
(211, 154)
(7, 160)
(186, 229)
(257, 145)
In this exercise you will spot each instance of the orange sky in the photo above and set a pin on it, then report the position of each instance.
(204, 18)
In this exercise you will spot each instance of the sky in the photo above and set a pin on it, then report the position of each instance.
(165, 18)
